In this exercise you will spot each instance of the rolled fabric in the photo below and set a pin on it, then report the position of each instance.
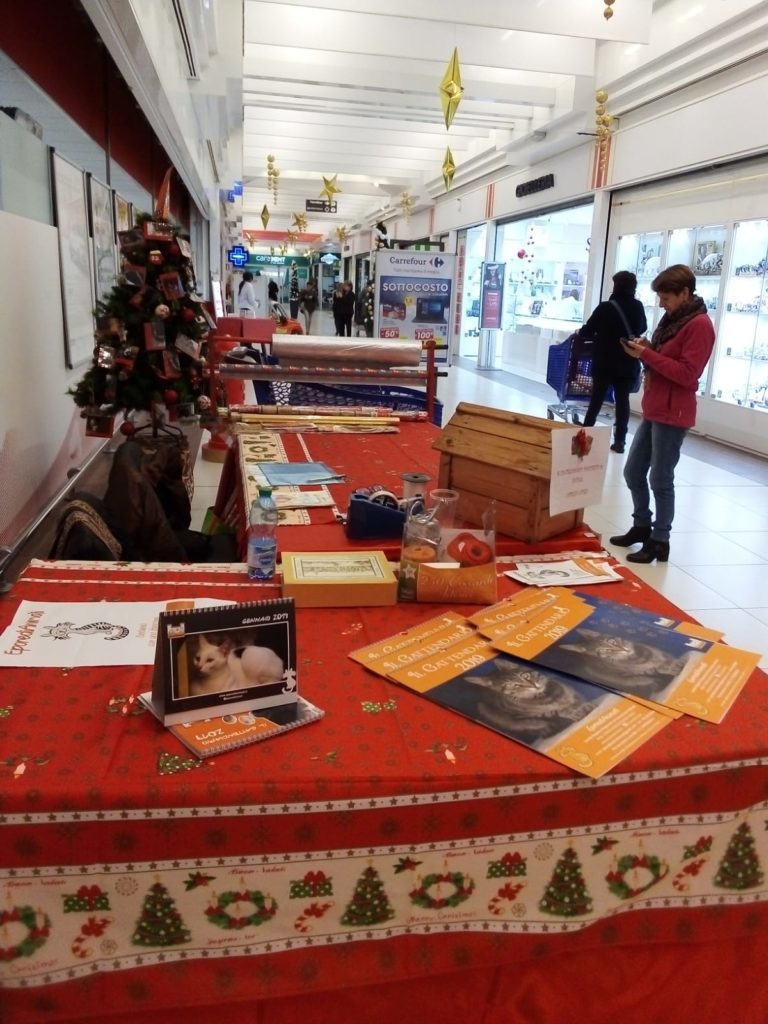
(312, 350)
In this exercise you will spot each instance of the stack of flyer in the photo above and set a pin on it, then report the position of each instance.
(583, 680)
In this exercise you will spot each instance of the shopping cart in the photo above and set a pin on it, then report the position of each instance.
(569, 372)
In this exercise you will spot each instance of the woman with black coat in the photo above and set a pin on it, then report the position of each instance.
(621, 316)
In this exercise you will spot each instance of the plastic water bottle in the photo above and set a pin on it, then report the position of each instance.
(262, 536)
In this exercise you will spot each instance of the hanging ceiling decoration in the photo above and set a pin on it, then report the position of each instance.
(299, 222)
(342, 234)
(449, 168)
(330, 188)
(608, 9)
(272, 175)
(406, 203)
(265, 215)
(291, 238)
(603, 129)
(451, 88)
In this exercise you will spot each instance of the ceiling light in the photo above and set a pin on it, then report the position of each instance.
(692, 13)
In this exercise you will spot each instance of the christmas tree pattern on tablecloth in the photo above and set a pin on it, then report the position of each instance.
(160, 923)
(370, 903)
(740, 866)
(566, 895)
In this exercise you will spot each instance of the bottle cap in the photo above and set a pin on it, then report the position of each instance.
(265, 489)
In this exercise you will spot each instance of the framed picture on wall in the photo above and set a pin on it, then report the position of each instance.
(75, 258)
(103, 237)
(122, 213)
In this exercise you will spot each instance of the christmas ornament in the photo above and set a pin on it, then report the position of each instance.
(608, 9)
(330, 188)
(451, 89)
(188, 315)
(406, 204)
(521, 254)
(174, 250)
(265, 216)
(449, 168)
(299, 222)
(342, 234)
(170, 397)
(203, 403)
(162, 312)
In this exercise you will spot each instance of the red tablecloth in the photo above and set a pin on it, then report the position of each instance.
(388, 862)
(365, 460)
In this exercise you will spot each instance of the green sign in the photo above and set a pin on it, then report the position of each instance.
(264, 259)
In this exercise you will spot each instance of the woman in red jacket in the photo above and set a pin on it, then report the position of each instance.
(674, 360)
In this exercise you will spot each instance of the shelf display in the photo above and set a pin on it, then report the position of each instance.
(731, 267)
(741, 366)
(468, 272)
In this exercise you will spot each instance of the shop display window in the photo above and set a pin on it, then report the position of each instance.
(469, 283)
(741, 364)
(546, 258)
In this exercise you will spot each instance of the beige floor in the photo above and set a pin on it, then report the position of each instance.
(718, 567)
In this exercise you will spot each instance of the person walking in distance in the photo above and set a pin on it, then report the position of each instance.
(621, 316)
(674, 360)
(247, 303)
(309, 302)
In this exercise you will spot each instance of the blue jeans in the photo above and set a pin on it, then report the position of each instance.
(655, 447)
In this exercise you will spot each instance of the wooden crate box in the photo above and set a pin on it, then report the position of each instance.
(487, 454)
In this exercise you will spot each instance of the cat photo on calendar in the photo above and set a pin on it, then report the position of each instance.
(228, 661)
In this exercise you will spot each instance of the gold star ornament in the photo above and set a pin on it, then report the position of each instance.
(330, 188)
(449, 168)
(451, 89)
(299, 222)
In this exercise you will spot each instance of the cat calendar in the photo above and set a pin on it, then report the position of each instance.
(228, 660)
(583, 680)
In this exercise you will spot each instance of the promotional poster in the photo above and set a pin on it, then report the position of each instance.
(414, 296)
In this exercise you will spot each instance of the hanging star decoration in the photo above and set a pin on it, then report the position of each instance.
(330, 188)
(342, 234)
(265, 216)
(451, 89)
(406, 204)
(449, 168)
(299, 222)
(291, 237)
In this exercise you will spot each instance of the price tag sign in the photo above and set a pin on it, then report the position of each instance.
(423, 334)
(389, 332)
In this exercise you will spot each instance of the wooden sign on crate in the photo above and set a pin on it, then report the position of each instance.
(489, 454)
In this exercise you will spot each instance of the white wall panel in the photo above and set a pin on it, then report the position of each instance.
(41, 433)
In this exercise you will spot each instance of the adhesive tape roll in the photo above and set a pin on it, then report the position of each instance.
(385, 498)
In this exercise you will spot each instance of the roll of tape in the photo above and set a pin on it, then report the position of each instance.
(385, 498)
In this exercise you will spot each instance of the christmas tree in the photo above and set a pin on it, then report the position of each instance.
(370, 903)
(160, 923)
(150, 329)
(740, 866)
(566, 895)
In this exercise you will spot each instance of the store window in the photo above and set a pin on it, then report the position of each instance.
(546, 257)
(473, 247)
(741, 363)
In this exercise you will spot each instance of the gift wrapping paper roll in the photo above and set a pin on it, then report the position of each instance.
(320, 351)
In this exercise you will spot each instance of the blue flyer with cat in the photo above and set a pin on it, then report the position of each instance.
(632, 652)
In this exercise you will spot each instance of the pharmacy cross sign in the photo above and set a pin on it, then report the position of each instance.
(237, 256)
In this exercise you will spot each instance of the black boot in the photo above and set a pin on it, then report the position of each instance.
(651, 551)
(617, 446)
(635, 535)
